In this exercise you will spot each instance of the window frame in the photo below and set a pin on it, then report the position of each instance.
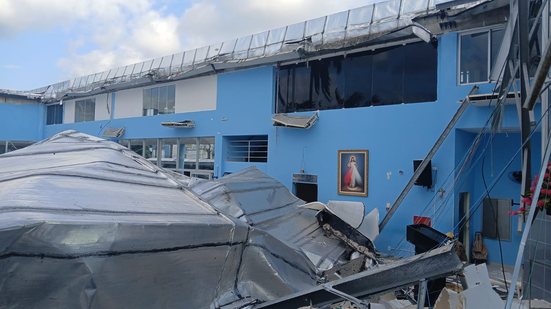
(62, 112)
(247, 141)
(159, 142)
(157, 106)
(92, 102)
(285, 65)
(488, 30)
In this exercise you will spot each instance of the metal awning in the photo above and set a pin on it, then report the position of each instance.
(491, 99)
(113, 132)
(185, 124)
(302, 122)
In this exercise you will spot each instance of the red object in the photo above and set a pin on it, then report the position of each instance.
(422, 220)
(348, 178)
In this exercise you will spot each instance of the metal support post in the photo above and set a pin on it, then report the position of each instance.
(526, 231)
(422, 294)
(464, 104)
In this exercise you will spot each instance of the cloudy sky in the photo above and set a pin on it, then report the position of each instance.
(47, 41)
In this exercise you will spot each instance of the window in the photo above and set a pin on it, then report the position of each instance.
(169, 153)
(477, 54)
(54, 114)
(7, 146)
(159, 100)
(247, 148)
(150, 150)
(206, 154)
(394, 75)
(85, 110)
(189, 156)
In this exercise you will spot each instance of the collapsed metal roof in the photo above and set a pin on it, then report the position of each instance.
(367, 25)
(91, 224)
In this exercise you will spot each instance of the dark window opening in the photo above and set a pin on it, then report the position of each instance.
(307, 192)
(394, 75)
(496, 218)
(54, 114)
(251, 148)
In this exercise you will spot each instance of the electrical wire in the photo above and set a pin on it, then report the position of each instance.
(494, 213)
(494, 183)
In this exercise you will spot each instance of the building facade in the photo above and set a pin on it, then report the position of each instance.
(387, 98)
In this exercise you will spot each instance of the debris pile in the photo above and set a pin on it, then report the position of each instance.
(88, 223)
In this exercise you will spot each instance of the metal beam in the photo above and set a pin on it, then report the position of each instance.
(433, 264)
(526, 231)
(539, 79)
(430, 155)
(421, 294)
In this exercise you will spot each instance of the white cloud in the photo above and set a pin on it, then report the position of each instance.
(10, 66)
(110, 33)
(143, 36)
(210, 21)
(105, 33)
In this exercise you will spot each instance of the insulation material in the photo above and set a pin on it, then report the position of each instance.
(87, 223)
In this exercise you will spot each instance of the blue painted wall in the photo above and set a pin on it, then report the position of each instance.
(21, 122)
(501, 149)
(394, 135)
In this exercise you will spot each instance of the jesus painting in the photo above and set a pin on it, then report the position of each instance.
(353, 172)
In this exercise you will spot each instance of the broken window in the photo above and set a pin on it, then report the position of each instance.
(136, 146)
(394, 75)
(159, 100)
(252, 148)
(477, 54)
(54, 114)
(85, 110)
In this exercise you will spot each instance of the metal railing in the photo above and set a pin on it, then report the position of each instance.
(332, 31)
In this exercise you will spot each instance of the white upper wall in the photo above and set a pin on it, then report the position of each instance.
(69, 111)
(129, 103)
(104, 106)
(196, 94)
(192, 95)
(102, 112)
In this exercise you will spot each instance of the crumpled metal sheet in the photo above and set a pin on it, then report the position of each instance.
(267, 205)
(86, 223)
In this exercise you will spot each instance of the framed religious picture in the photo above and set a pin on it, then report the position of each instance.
(353, 172)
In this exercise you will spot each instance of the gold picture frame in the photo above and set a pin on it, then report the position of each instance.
(353, 172)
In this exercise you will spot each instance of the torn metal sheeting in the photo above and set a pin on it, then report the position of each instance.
(88, 223)
(433, 264)
(89, 214)
(186, 124)
(268, 206)
(113, 132)
(492, 99)
(301, 122)
(353, 213)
